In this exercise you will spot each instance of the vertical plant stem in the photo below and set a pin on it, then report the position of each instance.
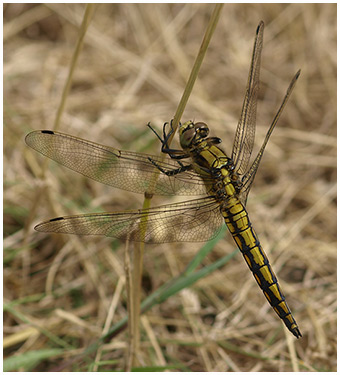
(76, 53)
(197, 65)
(89, 10)
(130, 306)
(138, 253)
(136, 288)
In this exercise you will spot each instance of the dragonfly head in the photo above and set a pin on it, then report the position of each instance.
(190, 133)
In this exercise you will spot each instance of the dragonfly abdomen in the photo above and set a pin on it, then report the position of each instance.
(237, 221)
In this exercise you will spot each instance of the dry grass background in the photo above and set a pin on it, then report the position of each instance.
(132, 69)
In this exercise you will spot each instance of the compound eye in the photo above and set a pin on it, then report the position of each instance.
(187, 136)
(202, 129)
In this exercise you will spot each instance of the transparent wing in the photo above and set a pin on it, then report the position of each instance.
(245, 132)
(122, 169)
(248, 178)
(195, 220)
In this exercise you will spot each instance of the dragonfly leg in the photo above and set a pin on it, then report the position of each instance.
(166, 136)
(214, 140)
(173, 153)
(172, 172)
(155, 132)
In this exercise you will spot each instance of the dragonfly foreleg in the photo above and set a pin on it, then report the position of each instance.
(166, 136)
(155, 132)
(173, 153)
(214, 140)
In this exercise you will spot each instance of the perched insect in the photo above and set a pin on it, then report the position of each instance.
(225, 182)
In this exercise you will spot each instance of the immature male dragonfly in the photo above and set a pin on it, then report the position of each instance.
(224, 181)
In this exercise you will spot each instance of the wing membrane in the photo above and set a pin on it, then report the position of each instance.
(250, 175)
(245, 132)
(122, 169)
(195, 220)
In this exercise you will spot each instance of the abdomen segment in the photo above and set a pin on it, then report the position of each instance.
(237, 220)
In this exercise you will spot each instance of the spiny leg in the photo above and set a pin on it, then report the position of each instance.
(173, 172)
(171, 152)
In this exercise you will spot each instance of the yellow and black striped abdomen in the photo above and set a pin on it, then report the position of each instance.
(237, 220)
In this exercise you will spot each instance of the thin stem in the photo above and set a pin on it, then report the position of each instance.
(138, 253)
(76, 53)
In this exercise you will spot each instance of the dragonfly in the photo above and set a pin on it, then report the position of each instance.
(199, 168)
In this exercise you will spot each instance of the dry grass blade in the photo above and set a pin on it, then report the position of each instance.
(90, 8)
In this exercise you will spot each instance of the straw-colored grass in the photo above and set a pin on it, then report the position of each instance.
(63, 293)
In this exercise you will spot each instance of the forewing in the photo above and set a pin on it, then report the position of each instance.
(245, 132)
(122, 169)
(248, 178)
(195, 220)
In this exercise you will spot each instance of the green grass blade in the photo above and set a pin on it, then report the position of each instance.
(29, 360)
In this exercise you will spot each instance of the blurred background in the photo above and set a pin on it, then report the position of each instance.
(132, 69)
